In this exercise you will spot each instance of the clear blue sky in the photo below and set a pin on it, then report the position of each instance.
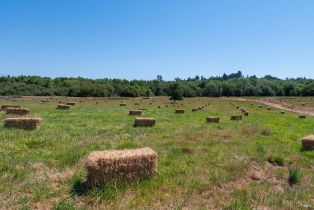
(139, 39)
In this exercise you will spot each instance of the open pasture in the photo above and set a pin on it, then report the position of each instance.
(256, 162)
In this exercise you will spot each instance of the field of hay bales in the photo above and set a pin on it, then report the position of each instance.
(254, 163)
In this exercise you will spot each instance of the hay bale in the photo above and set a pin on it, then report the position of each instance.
(282, 112)
(179, 111)
(237, 107)
(17, 111)
(194, 109)
(144, 122)
(120, 165)
(302, 116)
(268, 108)
(213, 119)
(246, 113)
(236, 117)
(70, 103)
(5, 106)
(308, 142)
(63, 106)
(159, 107)
(23, 123)
(135, 112)
(136, 104)
(122, 104)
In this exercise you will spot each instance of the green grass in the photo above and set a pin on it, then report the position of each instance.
(200, 165)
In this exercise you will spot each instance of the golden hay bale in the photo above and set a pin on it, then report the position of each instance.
(301, 116)
(246, 114)
(194, 109)
(18, 111)
(120, 165)
(122, 104)
(236, 117)
(70, 103)
(135, 112)
(3, 107)
(24, 123)
(308, 142)
(200, 108)
(179, 111)
(213, 119)
(63, 106)
(144, 122)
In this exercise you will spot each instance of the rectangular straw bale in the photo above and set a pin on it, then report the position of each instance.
(302, 116)
(213, 119)
(3, 107)
(70, 103)
(122, 104)
(246, 113)
(120, 165)
(194, 109)
(144, 122)
(236, 117)
(308, 142)
(24, 123)
(18, 111)
(135, 112)
(179, 111)
(63, 106)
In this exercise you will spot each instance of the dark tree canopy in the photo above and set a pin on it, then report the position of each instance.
(234, 84)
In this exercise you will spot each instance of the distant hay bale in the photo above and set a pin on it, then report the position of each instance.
(268, 108)
(70, 103)
(194, 109)
(136, 104)
(63, 106)
(213, 119)
(237, 107)
(302, 116)
(200, 108)
(144, 122)
(308, 142)
(236, 117)
(23, 123)
(159, 107)
(17, 111)
(179, 111)
(3, 107)
(246, 113)
(120, 165)
(122, 104)
(282, 112)
(135, 112)
(260, 106)
(303, 104)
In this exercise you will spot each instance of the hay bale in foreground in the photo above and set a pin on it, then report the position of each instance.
(70, 103)
(63, 106)
(213, 119)
(120, 165)
(302, 116)
(135, 112)
(236, 117)
(23, 123)
(144, 122)
(179, 111)
(5, 106)
(18, 111)
(308, 142)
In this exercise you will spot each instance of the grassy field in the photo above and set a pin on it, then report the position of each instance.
(232, 165)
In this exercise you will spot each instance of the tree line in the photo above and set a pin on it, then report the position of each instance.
(234, 84)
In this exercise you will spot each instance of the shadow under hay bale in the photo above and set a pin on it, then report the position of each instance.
(301, 116)
(17, 111)
(144, 122)
(308, 142)
(135, 112)
(22, 123)
(5, 106)
(236, 117)
(213, 119)
(63, 106)
(179, 111)
(120, 165)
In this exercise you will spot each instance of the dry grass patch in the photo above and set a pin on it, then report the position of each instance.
(120, 165)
